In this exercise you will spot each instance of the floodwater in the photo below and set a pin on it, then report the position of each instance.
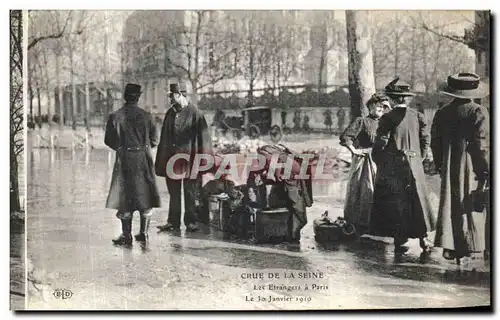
(70, 232)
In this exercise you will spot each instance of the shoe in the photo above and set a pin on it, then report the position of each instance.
(401, 249)
(168, 227)
(425, 244)
(192, 227)
(452, 255)
(125, 239)
(144, 228)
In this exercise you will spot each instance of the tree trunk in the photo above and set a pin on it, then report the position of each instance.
(321, 68)
(87, 106)
(87, 90)
(39, 98)
(73, 91)
(194, 94)
(396, 56)
(196, 76)
(107, 103)
(436, 63)
(60, 90)
(361, 78)
(252, 76)
(15, 205)
(31, 97)
(47, 86)
(424, 61)
(49, 104)
(16, 21)
(413, 60)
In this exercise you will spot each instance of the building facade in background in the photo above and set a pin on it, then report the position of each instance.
(159, 47)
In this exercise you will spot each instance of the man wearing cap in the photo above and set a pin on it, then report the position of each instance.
(460, 144)
(184, 133)
(401, 207)
(131, 132)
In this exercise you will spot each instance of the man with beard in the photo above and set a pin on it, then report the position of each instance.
(184, 132)
(401, 206)
(131, 132)
(461, 145)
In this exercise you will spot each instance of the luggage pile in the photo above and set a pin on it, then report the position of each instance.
(250, 212)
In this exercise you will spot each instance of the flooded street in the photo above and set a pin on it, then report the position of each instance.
(70, 232)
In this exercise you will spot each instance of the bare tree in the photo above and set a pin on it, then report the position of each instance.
(46, 82)
(422, 57)
(476, 37)
(16, 105)
(52, 33)
(281, 49)
(361, 77)
(202, 52)
(253, 51)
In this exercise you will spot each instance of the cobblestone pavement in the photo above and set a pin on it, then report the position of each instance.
(70, 232)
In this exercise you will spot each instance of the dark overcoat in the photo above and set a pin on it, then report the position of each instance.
(131, 132)
(401, 206)
(183, 131)
(460, 144)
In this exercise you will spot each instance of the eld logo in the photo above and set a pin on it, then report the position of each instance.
(62, 294)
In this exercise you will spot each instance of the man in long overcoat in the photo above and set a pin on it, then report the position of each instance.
(131, 132)
(401, 206)
(461, 144)
(184, 132)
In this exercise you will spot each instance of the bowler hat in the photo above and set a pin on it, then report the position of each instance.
(398, 88)
(466, 86)
(132, 89)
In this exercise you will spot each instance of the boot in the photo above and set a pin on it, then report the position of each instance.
(126, 237)
(144, 228)
(399, 247)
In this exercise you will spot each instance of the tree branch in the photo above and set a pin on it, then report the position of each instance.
(452, 37)
(57, 35)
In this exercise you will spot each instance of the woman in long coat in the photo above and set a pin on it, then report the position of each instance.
(401, 206)
(359, 138)
(131, 132)
(460, 144)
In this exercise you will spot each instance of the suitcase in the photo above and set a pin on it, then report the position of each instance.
(328, 230)
(219, 211)
(272, 225)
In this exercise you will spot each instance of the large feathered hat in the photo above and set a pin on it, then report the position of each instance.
(398, 88)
